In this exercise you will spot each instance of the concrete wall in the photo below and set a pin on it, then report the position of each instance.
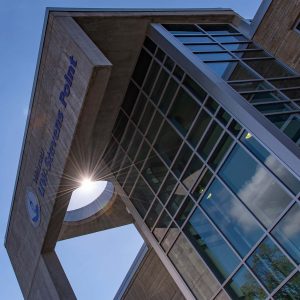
(276, 32)
(152, 281)
(24, 242)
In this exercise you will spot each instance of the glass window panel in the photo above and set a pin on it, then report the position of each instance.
(239, 46)
(199, 188)
(183, 111)
(192, 172)
(205, 47)
(251, 54)
(210, 139)
(117, 161)
(211, 105)
(139, 107)
(151, 77)
(154, 171)
(269, 68)
(194, 272)
(154, 127)
(109, 154)
(167, 143)
(123, 171)
(178, 73)
(194, 88)
(141, 67)
(271, 162)
(170, 237)
(130, 98)
(149, 45)
(168, 95)
(181, 160)
(199, 128)
(223, 116)
(194, 39)
(269, 264)
(161, 226)
(167, 188)
(214, 56)
(120, 126)
(142, 154)
(176, 199)
(131, 179)
(254, 186)
(286, 83)
(247, 86)
(287, 232)
(135, 145)
(231, 70)
(244, 286)
(220, 151)
(291, 290)
(275, 107)
(181, 28)
(260, 97)
(218, 28)
(128, 136)
(230, 38)
(231, 217)
(184, 211)
(153, 214)
(159, 86)
(234, 127)
(169, 63)
(160, 55)
(292, 94)
(141, 197)
(289, 124)
(148, 113)
(211, 246)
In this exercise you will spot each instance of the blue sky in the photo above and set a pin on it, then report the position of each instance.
(97, 263)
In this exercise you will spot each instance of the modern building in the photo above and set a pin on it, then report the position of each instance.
(193, 119)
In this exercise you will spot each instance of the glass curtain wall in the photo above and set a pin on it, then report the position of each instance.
(266, 83)
(221, 207)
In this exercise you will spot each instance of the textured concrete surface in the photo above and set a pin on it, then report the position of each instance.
(152, 281)
(276, 31)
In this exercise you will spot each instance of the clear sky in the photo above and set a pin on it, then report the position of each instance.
(96, 263)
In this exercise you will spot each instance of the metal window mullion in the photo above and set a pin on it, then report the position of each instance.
(242, 62)
(282, 250)
(290, 88)
(113, 160)
(271, 102)
(291, 112)
(256, 58)
(277, 180)
(196, 253)
(244, 80)
(284, 282)
(257, 91)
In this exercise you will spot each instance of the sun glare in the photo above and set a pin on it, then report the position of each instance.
(86, 193)
(86, 183)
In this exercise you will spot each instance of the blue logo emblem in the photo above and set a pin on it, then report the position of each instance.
(33, 207)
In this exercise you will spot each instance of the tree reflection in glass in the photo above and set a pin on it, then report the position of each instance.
(269, 264)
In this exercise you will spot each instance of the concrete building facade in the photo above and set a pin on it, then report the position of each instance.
(193, 117)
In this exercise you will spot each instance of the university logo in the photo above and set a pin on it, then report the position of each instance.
(33, 207)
